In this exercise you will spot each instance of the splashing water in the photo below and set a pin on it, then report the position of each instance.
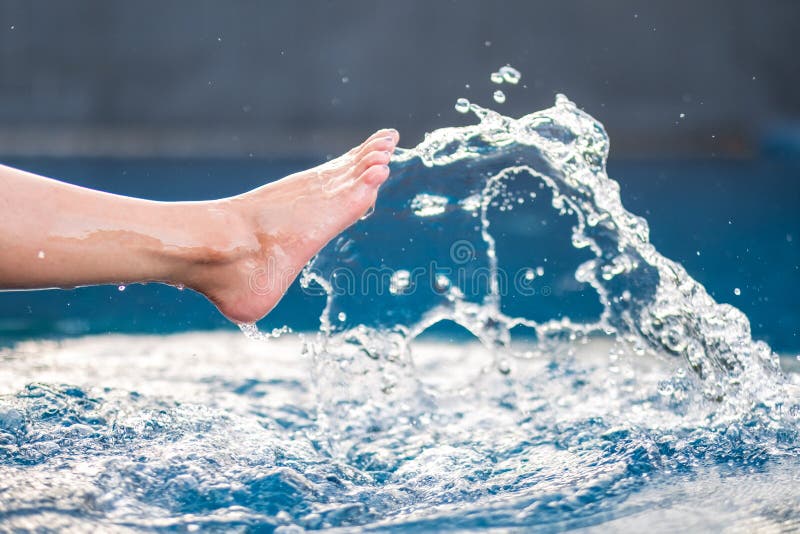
(589, 381)
(371, 369)
(647, 300)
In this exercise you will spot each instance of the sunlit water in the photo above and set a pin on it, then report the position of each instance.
(630, 400)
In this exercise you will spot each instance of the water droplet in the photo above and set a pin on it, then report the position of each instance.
(529, 274)
(425, 205)
(496, 77)
(737, 291)
(471, 203)
(540, 271)
(342, 316)
(462, 105)
(401, 280)
(345, 79)
(499, 96)
(369, 212)
(682, 115)
(441, 283)
(510, 74)
(180, 287)
(487, 43)
(121, 288)
(41, 254)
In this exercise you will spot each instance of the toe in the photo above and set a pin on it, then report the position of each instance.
(384, 137)
(381, 144)
(377, 157)
(375, 175)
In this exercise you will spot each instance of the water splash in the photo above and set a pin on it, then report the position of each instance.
(647, 301)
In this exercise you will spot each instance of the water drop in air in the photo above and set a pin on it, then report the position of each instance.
(499, 96)
(425, 205)
(510, 74)
(401, 279)
(441, 283)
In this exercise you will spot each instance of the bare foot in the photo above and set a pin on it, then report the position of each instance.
(273, 231)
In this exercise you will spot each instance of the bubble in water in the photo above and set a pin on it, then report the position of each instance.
(342, 316)
(529, 274)
(496, 77)
(737, 291)
(504, 367)
(499, 96)
(121, 288)
(510, 74)
(540, 271)
(462, 105)
(401, 280)
(425, 205)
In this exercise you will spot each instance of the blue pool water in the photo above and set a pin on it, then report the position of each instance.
(438, 403)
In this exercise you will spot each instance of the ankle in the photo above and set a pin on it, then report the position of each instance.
(221, 237)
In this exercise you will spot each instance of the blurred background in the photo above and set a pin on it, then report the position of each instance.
(192, 100)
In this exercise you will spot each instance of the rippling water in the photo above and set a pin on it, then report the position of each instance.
(630, 400)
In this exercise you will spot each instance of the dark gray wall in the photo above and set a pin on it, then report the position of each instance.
(202, 77)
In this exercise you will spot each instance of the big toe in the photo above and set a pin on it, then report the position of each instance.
(385, 139)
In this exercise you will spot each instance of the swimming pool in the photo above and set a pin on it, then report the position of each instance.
(445, 402)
